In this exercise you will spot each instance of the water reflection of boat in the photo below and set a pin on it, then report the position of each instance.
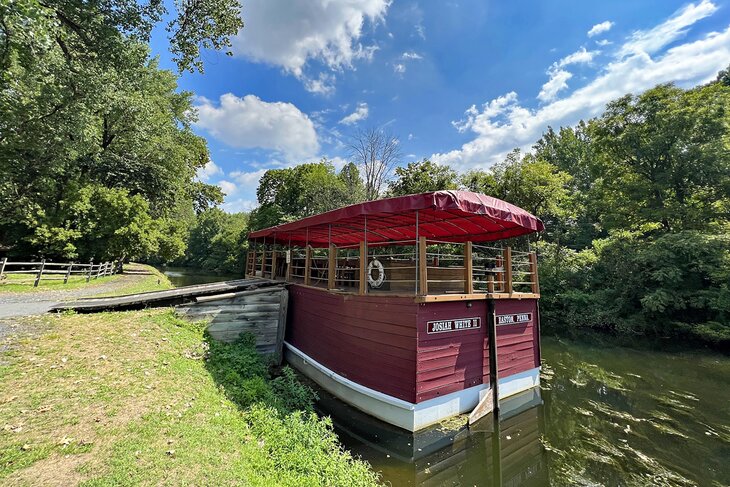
(450, 455)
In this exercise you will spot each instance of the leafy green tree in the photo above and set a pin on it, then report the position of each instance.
(664, 159)
(100, 223)
(218, 241)
(82, 105)
(304, 190)
(421, 177)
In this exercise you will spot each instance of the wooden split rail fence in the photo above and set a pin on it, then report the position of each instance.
(55, 271)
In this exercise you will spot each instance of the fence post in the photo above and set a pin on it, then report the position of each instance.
(98, 271)
(91, 266)
(40, 273)
(2, 266)
(68, 273)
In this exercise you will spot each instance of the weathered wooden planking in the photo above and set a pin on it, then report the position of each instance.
(261, 312)
(163, 298)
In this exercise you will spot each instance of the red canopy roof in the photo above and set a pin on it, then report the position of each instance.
(452, 216)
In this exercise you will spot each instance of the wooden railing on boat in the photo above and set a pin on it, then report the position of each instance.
(429, 270)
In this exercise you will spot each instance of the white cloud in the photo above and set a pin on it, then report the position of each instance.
(559, 77)
(250, 122)
(248, 180)
(411, 55)
(228, 187)
(399, 68)
(653, 40)
(324, 84)
(238, 205)
(505, 123)
(604, 42)
(600, 28)
(290, 33)
(581, 56)
(558, 81)
(361, 113)
(208, 171)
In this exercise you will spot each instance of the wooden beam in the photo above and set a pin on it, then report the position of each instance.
(253, 261)
(307, 264)
(422, 267)
(508, 269)
(493, 365)
(332, 268)
(281, 328)
(288, 264)
(533, 275)
(468, 269)
(263, 261)
(273, 263)
(490, 283)
(485, 406)
(363, 285)
(499, 263)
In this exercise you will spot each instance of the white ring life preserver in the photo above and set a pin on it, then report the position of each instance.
(377, 282)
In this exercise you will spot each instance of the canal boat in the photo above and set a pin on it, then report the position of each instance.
(412, 309)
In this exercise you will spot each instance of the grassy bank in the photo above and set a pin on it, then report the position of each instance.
(142, 398)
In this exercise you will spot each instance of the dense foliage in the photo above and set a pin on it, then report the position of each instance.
(86, 116)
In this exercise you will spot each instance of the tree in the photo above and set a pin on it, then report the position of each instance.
(663, 158)
(377, 152)
(99, 223)
(82, 105)
(304, 190)
(421, 177)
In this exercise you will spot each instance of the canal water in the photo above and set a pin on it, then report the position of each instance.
(606, 415)
(187, 276)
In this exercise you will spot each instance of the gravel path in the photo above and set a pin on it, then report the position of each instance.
(14, 305)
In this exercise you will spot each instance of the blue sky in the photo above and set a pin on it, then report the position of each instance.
(460, 82)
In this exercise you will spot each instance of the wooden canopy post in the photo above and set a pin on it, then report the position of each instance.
(533, 273)
(263, 258)
(289, 261)
(332, 268)
(307, 264)
(499, 264)
(508, 269)
(363, 286)
(468, 270)
(422, 267)
(253, 261)
(273, 262)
